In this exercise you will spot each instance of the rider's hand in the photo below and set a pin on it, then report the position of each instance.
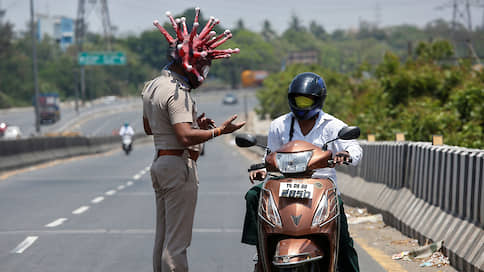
(204, 122)
(341, 157)
(259, 174)
(228, 127)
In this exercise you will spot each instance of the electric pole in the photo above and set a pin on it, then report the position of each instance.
(2, 13)
(107, 28)
(462, 16)
(81, 32)
(34, 63)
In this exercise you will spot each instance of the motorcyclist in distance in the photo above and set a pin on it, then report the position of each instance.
(309, 123)
(126, 129)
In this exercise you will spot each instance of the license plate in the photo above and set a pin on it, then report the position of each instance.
(296, 190)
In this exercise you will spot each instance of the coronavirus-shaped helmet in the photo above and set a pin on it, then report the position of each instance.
(196, 51)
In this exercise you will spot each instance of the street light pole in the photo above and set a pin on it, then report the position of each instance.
(34, 62)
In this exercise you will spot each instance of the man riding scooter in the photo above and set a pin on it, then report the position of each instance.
(126, 132)
(307, 122)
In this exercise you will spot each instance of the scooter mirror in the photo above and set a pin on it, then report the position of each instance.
(349, 133)
(245, 140)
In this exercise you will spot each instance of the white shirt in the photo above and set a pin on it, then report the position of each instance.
(325, 129)
(126, 131)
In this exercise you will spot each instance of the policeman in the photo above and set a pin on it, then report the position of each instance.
(307, 122)
(170, 115)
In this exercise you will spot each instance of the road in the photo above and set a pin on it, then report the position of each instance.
(96, 213)
(70, 119)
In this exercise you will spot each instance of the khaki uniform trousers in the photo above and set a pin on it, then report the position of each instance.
(175, 182)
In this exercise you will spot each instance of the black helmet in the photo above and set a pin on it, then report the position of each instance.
(303, 86)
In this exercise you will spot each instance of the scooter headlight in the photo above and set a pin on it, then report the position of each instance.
(293, 162)
(268, 210)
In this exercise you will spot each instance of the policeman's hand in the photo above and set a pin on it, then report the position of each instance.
(204, 122)
(229, 127)
(342, 157)
(259, 174)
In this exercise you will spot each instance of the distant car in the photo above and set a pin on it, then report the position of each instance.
(109, 99)
(12, 132)
(230, 99)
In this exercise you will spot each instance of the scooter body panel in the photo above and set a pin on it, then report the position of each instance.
(280, 246)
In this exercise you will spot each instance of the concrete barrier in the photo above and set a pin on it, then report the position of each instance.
(425, 191)
(16, 154)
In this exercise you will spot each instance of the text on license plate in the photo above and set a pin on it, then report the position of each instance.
(296, 190)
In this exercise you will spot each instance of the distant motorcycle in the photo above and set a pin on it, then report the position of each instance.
(127, 143)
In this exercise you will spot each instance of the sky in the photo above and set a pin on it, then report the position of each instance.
(135, 16)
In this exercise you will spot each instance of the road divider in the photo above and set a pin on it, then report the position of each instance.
(15, 154)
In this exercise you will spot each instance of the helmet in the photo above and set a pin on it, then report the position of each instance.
(126, 124)
(195, 51)
(306, 95)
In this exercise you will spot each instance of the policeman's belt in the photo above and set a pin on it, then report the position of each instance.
(178, 152)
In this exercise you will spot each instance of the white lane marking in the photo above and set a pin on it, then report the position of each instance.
(97, 199)
(129, 183)
(110, 192)
(56, 223)
(25, 244)
(121, 187)
(80, 210)
(142, 173)
(135, 177)
(148, 168)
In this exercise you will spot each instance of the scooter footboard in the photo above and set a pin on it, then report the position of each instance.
(293, 252)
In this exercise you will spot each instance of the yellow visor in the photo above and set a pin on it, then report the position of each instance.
(303, 102)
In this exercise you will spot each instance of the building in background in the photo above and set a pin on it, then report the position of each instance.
(59, 28)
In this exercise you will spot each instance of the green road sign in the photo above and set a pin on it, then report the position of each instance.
(102, 58)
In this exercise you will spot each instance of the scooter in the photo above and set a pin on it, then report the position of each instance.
(298, 226)
(127, 143)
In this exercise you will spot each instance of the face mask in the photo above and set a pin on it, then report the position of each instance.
(303, 102)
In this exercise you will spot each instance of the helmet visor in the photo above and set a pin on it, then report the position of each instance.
(303, 102)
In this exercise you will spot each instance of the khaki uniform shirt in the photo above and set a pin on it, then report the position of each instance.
(167, 101)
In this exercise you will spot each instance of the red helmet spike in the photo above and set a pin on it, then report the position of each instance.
(178, 30)
(194, 31)
(205, 30)
(214, 45)
(208, 37)
(222, 57)
(184, 25)
(172, 20)
(215, 22)
(197, 13)
(194, 51)
(218, 37)
(165, 33)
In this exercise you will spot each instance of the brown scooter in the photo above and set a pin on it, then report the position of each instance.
(298, 226)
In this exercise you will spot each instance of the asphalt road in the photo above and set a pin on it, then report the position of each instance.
(97, 213)
(70, 119)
